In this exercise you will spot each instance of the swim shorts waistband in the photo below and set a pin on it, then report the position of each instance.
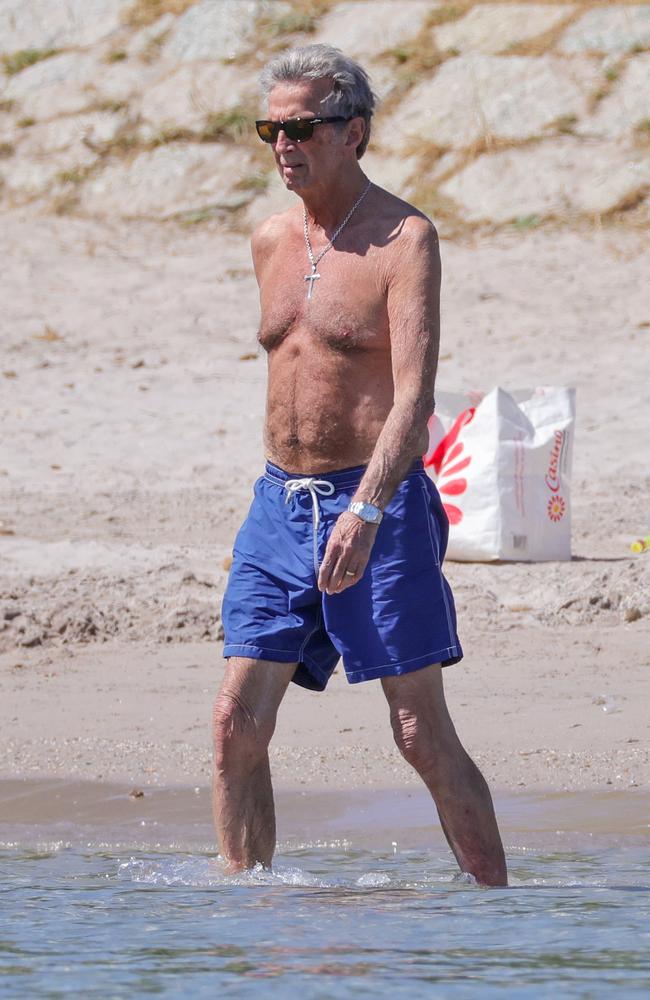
(340, 478)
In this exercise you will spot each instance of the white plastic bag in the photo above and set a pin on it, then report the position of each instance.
(502, 465)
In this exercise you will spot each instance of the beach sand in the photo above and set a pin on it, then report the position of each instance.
(132, 402)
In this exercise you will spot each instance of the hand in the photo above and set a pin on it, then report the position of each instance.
(347, 553)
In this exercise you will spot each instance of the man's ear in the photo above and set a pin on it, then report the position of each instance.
(356, 131)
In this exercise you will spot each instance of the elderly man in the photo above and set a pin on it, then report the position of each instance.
(341, 552)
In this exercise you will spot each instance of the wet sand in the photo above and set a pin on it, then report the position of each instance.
(38, 812)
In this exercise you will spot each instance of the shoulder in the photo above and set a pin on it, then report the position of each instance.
(269, 233)
(412, 228)
(404, 228)
(408, 241)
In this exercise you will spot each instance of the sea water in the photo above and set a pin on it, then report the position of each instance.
(332, 920)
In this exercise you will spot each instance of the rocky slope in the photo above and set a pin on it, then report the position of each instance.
(492, 114)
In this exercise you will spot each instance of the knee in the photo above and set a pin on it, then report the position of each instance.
(415, 740)
(240, 739)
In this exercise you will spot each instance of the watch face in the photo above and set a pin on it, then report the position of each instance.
(367, 512)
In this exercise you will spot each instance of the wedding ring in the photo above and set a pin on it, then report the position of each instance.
(350, 572)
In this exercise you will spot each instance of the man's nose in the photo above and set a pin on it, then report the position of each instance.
(283, 141)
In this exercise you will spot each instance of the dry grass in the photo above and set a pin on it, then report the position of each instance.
(443, 211)
(524, 222)
(66, 203)
(110, 105)
(145, 12)
(419, 56)
(74, 176)
(152, 49)
(196, 216)
(117, 55)
(427, 196)
(6, 150)
(546, 41)
(167, 134)
(448, 12)
(610, 77)
(233, 125)
(564, 125)
(7, 105)
(302, 18)
(257, 182)
(17, 61)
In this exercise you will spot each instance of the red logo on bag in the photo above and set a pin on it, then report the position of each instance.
(552, 479)
(556, 508)
(447, 462)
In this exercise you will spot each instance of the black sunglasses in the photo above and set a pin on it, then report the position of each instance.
(296, 129)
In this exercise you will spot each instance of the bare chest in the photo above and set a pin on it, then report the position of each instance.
(341, 304)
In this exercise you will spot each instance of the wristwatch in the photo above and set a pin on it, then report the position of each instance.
(366, 511)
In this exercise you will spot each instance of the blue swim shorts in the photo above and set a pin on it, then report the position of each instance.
(398, 617)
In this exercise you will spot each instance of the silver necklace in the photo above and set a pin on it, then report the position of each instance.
(314, 261)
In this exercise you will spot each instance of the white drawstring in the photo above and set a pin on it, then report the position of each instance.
(315, 487)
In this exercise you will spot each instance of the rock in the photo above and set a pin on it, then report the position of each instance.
(72, 82)
(56, 152)
(390, 172)
(42, 24)
(611, 28)
(24, 178)
(185, 97)
(471, 97)
(210, 30)
(349, 26)
(495, 27)
(626, 106)
(121, 81)
(170, 179)
(78, 133)
(448, 163)
(59, 85)
(556, 177)
(141, 43)
(33, 638)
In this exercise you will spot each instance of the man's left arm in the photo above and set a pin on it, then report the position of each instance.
(413, 303)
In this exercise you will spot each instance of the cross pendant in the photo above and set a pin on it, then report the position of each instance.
(311, 278)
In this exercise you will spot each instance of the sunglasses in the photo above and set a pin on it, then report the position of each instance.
(296, 129)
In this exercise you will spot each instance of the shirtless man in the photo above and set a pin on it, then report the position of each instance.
(352, 337)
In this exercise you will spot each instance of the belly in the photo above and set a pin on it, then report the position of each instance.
(325, 411)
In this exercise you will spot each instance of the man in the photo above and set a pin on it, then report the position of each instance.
(340, 554)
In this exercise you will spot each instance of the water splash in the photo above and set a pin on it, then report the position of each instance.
(209, 872)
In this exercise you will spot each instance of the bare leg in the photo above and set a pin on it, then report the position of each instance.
(243, 723)
(426, 737)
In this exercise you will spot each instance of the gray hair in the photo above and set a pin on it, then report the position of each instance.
(351, 93)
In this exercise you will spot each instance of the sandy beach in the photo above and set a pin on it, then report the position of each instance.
(132, 406)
